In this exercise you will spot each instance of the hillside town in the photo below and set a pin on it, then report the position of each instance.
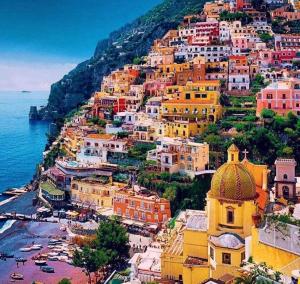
(179, 148)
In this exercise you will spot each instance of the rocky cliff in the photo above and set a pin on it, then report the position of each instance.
(120, 48)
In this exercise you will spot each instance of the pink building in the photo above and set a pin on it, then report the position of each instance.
(276, 57)
(285, 179)
(282, 97)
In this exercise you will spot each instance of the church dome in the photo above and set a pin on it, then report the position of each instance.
(233, 181)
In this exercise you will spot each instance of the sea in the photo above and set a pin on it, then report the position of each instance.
(22, 142)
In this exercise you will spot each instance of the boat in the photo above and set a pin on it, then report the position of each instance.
(40, 262)
(52, 254)
(16, 276)
(26, 249)
(36, 247)
(52, 258)
(47, 269)
(51, 246)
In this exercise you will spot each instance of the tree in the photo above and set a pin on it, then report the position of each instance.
(170, 193)
(267, 113)
(112, 238)
(265, 37)
(90, 260)
(64, 281)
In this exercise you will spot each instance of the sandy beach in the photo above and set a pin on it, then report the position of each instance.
(21, 234)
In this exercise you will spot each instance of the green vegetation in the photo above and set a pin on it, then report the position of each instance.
(271, 137)
(257, 84)
(97, 121)
(182, 191)
(139, 150)
(64, 281)
(49, 160)
(238, 16)
(111, 247)
(259, 273)
(265, 37)
(51, 189)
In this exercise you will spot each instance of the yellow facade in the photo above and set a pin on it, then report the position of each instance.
(184, 129)
(275, 257)
(92, 191)
(189, 109)
(217, 246)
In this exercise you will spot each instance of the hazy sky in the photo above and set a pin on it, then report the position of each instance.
(41, 40)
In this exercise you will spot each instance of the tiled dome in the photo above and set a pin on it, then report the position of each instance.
(232, 181)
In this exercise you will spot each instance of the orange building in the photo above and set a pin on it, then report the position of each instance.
(142, 206)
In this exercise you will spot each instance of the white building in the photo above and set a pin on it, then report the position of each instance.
(97, 146)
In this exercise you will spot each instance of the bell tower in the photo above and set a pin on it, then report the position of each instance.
(233, 154)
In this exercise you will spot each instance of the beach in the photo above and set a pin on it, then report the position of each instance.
(20, 234)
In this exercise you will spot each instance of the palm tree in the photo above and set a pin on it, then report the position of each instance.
(245, 279)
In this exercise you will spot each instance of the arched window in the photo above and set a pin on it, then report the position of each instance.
(285, 192)
(230, 215)
(285, 176)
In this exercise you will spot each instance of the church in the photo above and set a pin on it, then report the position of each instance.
(215, 242)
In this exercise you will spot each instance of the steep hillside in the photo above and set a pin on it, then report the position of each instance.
(120, 48)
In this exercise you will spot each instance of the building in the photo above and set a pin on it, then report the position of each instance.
(94, 192)
(286, 180)
(214, 242)
(281, 96)
(287, 42)
(97, 147)
(188, 109)
(143, 206)
(105, 105)
(175, 155)
(146, 266)
(238, 74)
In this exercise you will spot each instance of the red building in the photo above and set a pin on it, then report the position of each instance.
(142, 206)
(104, 103)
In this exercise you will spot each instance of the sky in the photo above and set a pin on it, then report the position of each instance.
(41, 40)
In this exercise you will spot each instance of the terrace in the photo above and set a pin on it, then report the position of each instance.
(51, 192)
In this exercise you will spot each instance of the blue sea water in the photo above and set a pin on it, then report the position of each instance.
(21, 142)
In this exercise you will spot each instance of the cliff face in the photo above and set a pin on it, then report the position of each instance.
(120, 48)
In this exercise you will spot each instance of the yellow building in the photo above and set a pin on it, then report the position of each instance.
(214, 241)
(189, 109)
(72, 141)
(94, 192)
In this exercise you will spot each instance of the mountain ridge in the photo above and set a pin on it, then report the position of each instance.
(120, 48)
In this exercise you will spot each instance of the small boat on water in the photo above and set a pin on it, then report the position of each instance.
(16, 276)
(47, 269)
(52, 254)
(52, 258)
(26, 249)
(36, 247)
(40, 262)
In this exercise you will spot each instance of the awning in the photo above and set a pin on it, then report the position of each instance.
(127, 222)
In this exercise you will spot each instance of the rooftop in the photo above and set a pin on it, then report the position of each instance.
(51, 189)
(228, 240)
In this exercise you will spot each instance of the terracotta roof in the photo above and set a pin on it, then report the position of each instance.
(100, 136)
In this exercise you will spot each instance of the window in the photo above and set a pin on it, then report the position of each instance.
(283, 96)
(284, 106)
(212, 253)
(243, 256)
(230, 216)
(285, 176)
(226, 258)
(187, 96)
(269, 96)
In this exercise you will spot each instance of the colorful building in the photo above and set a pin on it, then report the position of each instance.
(189, 109)
(142, 206)
(214, 241)
(94, 192)
(175, 155)
(281, 97)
